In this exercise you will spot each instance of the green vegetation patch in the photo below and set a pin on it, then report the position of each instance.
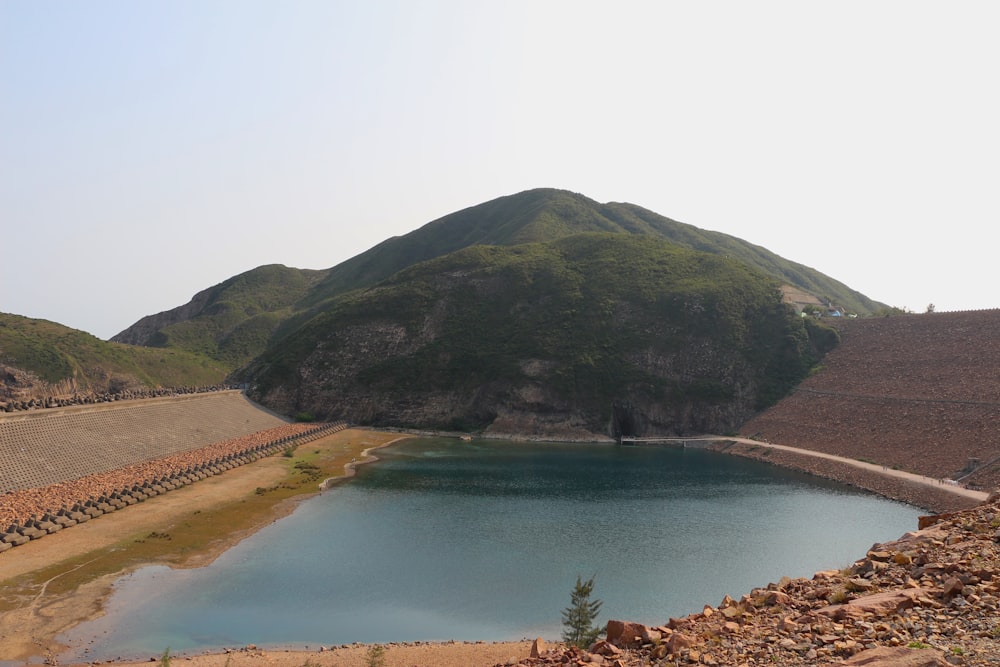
(55, 353)
(606, 316)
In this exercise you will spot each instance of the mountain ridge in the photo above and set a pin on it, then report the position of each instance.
(554, 334)
(255, 323)
(543, 214)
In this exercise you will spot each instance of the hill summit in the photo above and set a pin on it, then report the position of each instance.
(595, 333)
(235, 321)
(541, 312)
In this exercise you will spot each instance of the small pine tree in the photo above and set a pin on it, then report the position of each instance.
(579, 617)
(375, 656)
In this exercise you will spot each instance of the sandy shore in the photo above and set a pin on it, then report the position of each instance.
(423, 654)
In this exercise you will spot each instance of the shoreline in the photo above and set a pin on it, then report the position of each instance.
(934, 496)
(35, 611)
(86, 602)
(394, 654)
(351, 469)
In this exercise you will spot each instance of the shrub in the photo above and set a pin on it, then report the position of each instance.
(579, 617)
(375, 656)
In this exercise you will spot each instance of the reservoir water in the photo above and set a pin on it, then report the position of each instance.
(445, 539)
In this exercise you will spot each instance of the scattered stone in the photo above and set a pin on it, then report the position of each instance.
(895, 657)
(924, 600)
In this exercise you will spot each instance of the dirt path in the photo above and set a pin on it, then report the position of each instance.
(922, 480)
(934, 495)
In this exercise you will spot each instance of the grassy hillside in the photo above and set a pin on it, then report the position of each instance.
(231, 322)
(545, 215)
(54, 353)
(608, 331)
(236, 320)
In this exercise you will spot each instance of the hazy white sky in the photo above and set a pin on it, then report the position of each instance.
(151, 149)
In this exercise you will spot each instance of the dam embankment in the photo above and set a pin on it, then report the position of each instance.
(65, 466)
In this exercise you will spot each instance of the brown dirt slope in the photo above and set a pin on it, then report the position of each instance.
(914, 392)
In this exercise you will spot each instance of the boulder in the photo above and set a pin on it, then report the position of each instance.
(952, 587)
(772, 598)
(879, 604)
(626, 633)
(537, 647)
(893, 657)
(679, 641)
(603, 647)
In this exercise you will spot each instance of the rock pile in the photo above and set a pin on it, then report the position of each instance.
(92, 398)
(930, 598)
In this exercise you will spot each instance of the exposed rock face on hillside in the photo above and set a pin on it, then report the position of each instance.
(335, 384)
(18, 385)
(928, 599)
(916, 392)
(593, 335)
(21, 390)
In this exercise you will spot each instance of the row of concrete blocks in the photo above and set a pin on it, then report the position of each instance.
(52, 522)
(105, 397)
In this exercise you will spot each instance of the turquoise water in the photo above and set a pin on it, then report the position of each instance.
(484, 540)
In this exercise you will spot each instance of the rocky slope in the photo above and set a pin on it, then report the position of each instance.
(930, 598)
(915, 392)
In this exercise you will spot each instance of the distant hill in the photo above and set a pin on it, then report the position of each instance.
(539, 312)
(231, 322)
(591, 333)
(42, 358)
(235, 321)
(548, 214)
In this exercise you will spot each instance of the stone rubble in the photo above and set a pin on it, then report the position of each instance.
(929, 599)
(36, 398)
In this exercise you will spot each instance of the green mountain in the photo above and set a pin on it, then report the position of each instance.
(231, 322)
(541, 313)
(236, 320)
(589, 333)
(39, 358)
(546, 215)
